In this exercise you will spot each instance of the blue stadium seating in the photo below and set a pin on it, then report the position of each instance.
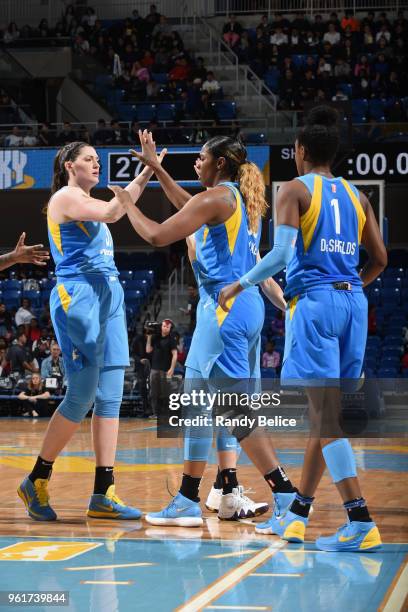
(226, 110)
(125, 275)
(166, 112)
(359, 108)
(12, 298)
(376, 108)
(10, 284)
(160, 77)
(146, 112)
(256, 138)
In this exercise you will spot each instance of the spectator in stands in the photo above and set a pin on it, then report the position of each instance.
(6, 321)
(339, 96)
(43, 29)
(349, 20)
(332, 36)
(33, 396)
(117, 136)
(24, 313)
(264, 25)
(45, 316)
(404, 361)
(319, 26)
(53, 366)
(362, 64)
(191, 310)
(34, 331)
(4, 364)
(211, 85)
(153, 17)
(11, 34)
(45, 137)
(163, 349)
(14, 139)
(270, 358)
(311, 39)
(300, 22)
(30, 140)
(180, 70)
(342, 70)
(101, 134)
(278, 38)
(83, 134)
(281, 22)
(278, 324)
(384, 32)
(20, 357)
(89, 19)
(41, 348)
(231, 32)
(368, 38)
(66, 135)
(372, 320)
(198, 71)
(81, 45)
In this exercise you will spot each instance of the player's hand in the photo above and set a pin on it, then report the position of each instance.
(148, 156)
(227, 294)
(121, 195)
(197, 167)
(35, 254)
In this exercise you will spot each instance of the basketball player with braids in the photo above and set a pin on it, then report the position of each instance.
(226, 221)
(321, 222)
(88, 315)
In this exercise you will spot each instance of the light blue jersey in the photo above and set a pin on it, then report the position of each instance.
(231, 340)
(87, 304)
(81, 248)
(327, 247)
(326, 317)
(228, 250)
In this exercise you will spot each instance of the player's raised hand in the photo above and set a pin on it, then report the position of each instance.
(121, 195)
(35, 254)
(197, 167)
(227, 294)
(148, 156)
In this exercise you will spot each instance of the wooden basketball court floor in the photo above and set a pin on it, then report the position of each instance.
(126, 565)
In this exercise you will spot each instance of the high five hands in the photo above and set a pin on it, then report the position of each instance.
(148, 156)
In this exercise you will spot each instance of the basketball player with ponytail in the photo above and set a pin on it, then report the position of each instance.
(87, 311)
(226, 220)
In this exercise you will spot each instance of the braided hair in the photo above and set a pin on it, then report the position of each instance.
(246, 173)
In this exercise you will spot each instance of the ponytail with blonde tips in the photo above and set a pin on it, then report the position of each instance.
(252, 187)
(247, 174)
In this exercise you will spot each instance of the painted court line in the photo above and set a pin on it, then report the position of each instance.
(238, 608)
(97, 567)
(123, 582)
(264, 575)
(228, 580)
(397, 592)
(238, 553)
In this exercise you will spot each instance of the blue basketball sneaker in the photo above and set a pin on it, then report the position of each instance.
(352, 537)
(110, 506)
(290, 527)
(181, 511)
(282, 502)
(35, 497)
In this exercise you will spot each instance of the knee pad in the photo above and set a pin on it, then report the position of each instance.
(109, 392)
(340, 460)
(80, 395)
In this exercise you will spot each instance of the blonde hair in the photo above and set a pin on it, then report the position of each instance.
(248, 175)
(252, 187)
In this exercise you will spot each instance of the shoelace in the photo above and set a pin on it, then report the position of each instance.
(42, 492)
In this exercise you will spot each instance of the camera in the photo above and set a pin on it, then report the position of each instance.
(152, 327)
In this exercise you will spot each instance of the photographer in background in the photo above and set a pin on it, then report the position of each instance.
(53, 369)
(161, 344)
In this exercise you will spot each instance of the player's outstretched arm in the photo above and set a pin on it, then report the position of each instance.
(201, 208)
(372, 241)
(176, 194)
(35, 254)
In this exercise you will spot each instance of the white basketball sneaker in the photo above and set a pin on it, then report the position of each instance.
(234, 506)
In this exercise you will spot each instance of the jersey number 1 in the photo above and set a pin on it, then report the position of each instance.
(335, 204)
